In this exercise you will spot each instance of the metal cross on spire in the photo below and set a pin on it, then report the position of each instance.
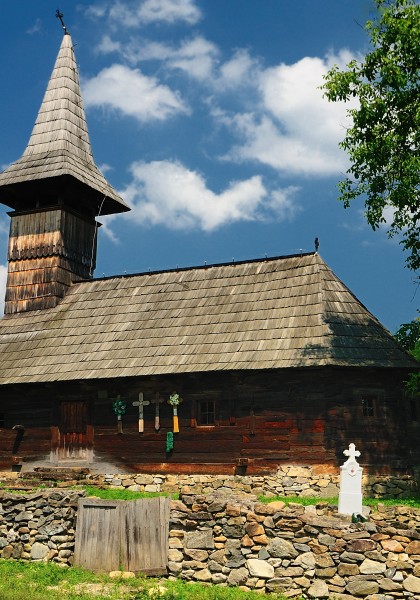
(60, 16)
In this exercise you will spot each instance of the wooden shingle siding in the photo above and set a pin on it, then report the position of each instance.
(275, 313)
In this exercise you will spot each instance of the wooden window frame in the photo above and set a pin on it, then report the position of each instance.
(369, 406)
(207, 412)
(375, 407)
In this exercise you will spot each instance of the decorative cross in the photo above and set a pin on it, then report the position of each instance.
(119, 406)
(156, 401)
(352, 454)
(141, 403)
(175, 400)
(60, 16)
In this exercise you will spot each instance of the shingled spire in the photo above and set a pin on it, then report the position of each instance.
(59, 148)
(56, 192)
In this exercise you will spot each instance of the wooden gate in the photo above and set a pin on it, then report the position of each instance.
(115, 534)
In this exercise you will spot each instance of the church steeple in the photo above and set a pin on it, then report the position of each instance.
(56, 192)
(58, 163)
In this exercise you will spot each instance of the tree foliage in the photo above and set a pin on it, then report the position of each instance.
(383, 142)
(408, 336)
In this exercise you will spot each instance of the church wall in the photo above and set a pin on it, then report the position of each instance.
(241, 422)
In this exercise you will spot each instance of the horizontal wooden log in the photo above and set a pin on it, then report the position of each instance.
(185, 467)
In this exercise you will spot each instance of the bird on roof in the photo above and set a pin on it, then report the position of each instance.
(316, 244)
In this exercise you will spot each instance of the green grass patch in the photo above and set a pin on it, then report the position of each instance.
(39, 581)
(123, 494)
(309, 500)
(23, 490)
(49, 581)
(180, 590)
(99, 492)
(303, 500)
(414, 502)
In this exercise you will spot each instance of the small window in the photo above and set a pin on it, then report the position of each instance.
(206, 412)
(368, 405)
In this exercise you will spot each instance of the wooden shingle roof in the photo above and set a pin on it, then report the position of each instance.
(264, 314)
(59, 145)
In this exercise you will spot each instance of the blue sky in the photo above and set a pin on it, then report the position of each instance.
(206, 116)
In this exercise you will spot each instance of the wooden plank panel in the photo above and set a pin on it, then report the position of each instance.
(97, 545)
(145, 527)
(132, 535)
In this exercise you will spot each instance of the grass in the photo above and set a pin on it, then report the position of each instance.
(103, 493)
(123, 494)
(414, 502)
(309, 500)
(48, 581)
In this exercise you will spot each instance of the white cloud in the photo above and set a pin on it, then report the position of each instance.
(134, 14)
(290, 126)
(291, 93)
(132, 93)
(95, 11)
(105, 168)
(297, 155)
(295, 130)
(3, 278)
(167, 193)
(36, 27)
(108, 46)
(238, 71)
(106, 230)
(195, 57)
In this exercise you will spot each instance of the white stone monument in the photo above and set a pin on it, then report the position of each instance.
(350, 496)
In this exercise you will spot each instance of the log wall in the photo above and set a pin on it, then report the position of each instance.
(262, 420)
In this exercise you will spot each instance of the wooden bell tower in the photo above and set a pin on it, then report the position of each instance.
(56, 192)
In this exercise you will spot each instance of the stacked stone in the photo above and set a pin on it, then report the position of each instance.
(39, 526)
(316, 481)
(295, 550)
(229, 538)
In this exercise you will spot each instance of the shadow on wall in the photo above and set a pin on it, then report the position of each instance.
(372, 413)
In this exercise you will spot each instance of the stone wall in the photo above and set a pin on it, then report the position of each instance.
(294, 549)
(38, 526)
(316, 481)
(229, 538)
(319, 481)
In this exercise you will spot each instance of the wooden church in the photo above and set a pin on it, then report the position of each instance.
(224, 368)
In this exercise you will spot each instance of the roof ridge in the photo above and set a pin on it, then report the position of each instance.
(201, 267)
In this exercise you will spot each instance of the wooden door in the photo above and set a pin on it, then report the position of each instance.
(75, 434)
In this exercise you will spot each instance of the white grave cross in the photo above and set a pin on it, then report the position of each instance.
(141, 403)
(350, 496)
(352, 454)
